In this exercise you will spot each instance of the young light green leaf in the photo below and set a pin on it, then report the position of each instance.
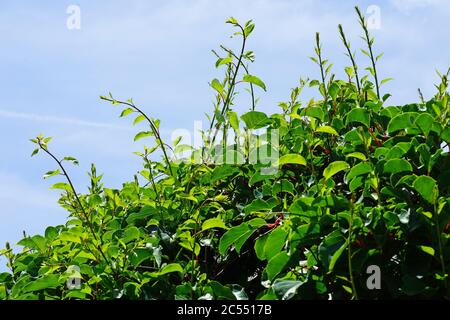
(234, 120)
(216, 85)
(291, 159)
(357, 155)
(427, 249)
(334, 168)
(327, 129)
(358, 170)
(126, 112)
(213, 223)
(143, 134)
(255, 80)
(222, 61)
(51, 173)
(255, 119)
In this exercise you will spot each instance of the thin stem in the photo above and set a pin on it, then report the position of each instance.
(86, 216)
(441, 251)
(369, 41)
(349, 251)
(157, 195)
(232, 84)
(322, 73)
(152, 126)
(246, 71)
(350, 55)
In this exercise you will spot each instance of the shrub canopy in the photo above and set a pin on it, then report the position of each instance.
(358, 184)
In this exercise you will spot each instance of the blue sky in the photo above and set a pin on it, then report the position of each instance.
(158, 52)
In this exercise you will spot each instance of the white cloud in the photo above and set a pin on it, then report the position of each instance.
(59, 120)
(15, 193)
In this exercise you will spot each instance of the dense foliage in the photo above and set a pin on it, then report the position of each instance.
(359, 183)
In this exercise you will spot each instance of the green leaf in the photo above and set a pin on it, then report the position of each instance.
(286, 289)
(143, 134)
(61, 186)
(446, 134)
(327, 129)
(334, 168)
(336, 255)
(315, 112)
(51, 233)
(238, 236)
(427, 188)
(255, 80)
(259, 246)
(333, 90)
(424, 121)
(277, 264)
(49, 281)
(291, 159)
(357, 155)
(51, 173)
(139, 255)
(213, 223)
(356, 183)
(130, 234)
(177, 140)
(359, 169)
(222, 61)
(231, 20)
(257, 223)
(223, 172)
(70, 237)
(35, 151)
(359, 115)
(283, 186)
(126, 112)
(138, 119)
(221, 292)
(396, 166)
(182, 148)
(234, 120)
(427, 249)
(331, 248)
(216, 85)
(385, 80)
(255, 119)
(259, 205)
(71, 159)
(171, 267)
(402, 121)
(275, 242)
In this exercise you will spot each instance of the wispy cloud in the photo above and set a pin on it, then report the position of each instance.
(16, 192)
(59, 120)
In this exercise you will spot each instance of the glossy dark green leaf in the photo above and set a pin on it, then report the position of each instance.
(359, 169)
(402, 121)
(275, 242)
(277, 264)
(427, 188)
(359, 115)
(396, 166)
(334, 168)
